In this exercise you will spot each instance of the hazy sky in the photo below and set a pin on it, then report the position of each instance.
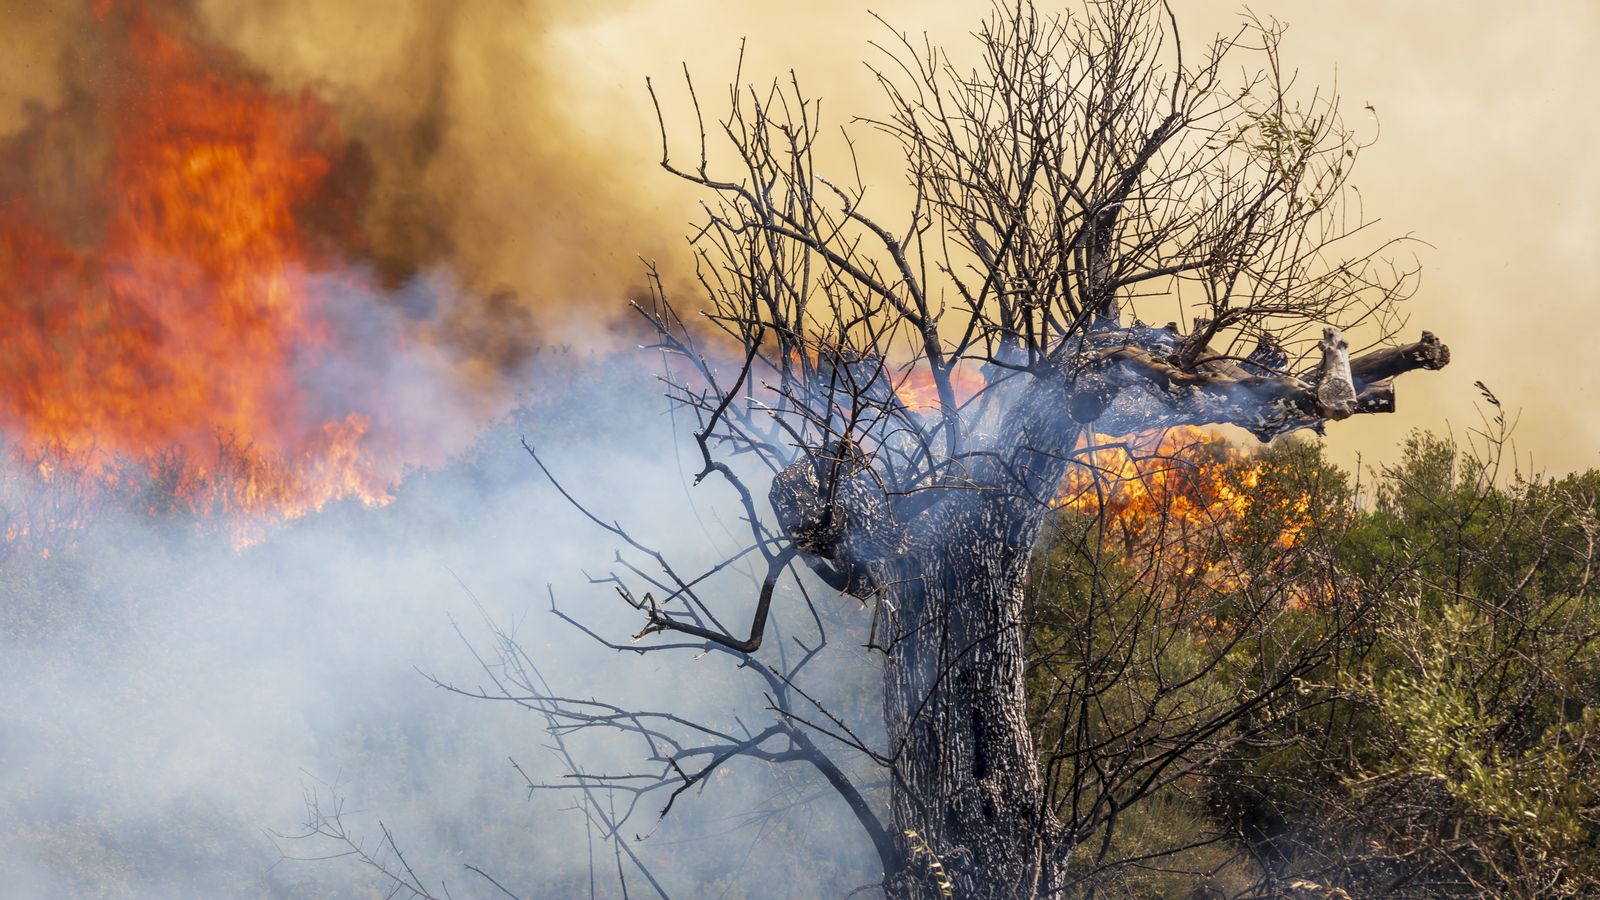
(1488, 149)
(546, 178)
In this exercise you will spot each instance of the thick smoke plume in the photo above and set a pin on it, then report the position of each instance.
(458, 152)
(173, 702)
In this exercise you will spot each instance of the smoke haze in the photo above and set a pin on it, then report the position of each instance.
(514, 141)
(169, 698)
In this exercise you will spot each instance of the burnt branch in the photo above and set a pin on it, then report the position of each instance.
(661, 621)
(1225, 393)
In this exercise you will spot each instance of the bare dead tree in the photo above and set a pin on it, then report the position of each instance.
(917, 388)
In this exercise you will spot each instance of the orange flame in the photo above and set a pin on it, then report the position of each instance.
(1168, 498)
(173, 338)
(1189, 475)
(918, 392)
(1165, 495)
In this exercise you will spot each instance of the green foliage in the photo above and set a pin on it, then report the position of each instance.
(1438, 732)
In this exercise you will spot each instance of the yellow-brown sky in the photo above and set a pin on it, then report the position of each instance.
(1490, 151)
(546, 172)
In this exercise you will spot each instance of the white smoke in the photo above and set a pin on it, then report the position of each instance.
(168, 699)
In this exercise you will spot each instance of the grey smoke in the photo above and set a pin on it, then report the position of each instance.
(168, 699)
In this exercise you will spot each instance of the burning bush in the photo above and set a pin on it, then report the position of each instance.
(1444, 746)
(190, 320)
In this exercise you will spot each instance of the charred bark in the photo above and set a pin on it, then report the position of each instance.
(966, 780)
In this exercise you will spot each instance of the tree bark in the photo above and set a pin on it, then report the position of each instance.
(967, 788)
(967, 795)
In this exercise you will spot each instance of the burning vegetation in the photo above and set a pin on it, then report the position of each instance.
(1078, 630)
(184, 326)
(1171, 504)
(1181, 504)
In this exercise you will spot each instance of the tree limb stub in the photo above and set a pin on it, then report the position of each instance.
(1226, 393)
(1381, 365)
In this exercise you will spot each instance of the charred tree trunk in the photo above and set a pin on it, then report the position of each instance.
(966, 797)
(968, 803)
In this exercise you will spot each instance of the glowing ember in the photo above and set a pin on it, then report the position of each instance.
(916, 389)
(176, 337)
